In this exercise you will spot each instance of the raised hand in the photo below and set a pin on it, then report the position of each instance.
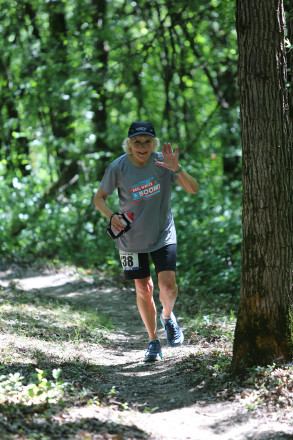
(170, 158)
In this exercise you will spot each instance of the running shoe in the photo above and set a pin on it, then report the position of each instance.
(154, 351)
(174, 334)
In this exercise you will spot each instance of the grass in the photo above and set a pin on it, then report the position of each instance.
(37, 331)
(27, 314)
(49, 363)
(267, 390)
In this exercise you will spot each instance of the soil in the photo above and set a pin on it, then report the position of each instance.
(162, 400)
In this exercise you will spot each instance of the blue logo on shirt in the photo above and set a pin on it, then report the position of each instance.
(145, 190)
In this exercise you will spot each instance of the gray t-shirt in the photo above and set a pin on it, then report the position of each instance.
(145, 191)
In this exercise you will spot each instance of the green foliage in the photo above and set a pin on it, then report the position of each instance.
(69, 228)
(13, 388)
(74, 75)
(212, 328)
(29, 314)
(209, 234)
(45, 380)
(208, 230)
(272, 385)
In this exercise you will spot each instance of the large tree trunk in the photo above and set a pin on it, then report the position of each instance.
(264, 327)
(289, 10)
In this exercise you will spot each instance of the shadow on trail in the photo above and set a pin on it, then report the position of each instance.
(174, 383)
(164, 385)
(155, 387)
(140, 385)
(78, 292)
(35, 422)
(98, 381)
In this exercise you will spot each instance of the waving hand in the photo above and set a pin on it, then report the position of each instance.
(170, 158)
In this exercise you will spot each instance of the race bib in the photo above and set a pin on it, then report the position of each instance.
(129, 260)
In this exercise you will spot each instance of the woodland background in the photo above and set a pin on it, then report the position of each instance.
(74, 74)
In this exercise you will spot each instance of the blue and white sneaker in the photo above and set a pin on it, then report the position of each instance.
(154, 351)
(174, 334)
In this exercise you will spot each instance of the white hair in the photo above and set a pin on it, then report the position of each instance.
(127, 141)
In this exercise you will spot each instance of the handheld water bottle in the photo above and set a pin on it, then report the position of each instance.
(127, 219)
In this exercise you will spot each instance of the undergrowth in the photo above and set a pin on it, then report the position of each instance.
(49, 362)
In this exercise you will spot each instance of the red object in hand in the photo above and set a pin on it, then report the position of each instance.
(127, 219)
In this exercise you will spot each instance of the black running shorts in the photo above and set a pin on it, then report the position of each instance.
(136, 266)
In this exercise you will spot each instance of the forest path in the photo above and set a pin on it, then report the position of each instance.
(162, 400)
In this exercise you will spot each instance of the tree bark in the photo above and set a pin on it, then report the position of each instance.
(264, 327)
(15, 147)
(61, 115)
(289, 10)
(98, 73)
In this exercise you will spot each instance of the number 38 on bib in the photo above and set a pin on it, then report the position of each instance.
(129, 260)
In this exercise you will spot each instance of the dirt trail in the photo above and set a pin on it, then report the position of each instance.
(165, 399)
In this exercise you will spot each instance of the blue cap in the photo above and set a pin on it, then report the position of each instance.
(140, 127)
